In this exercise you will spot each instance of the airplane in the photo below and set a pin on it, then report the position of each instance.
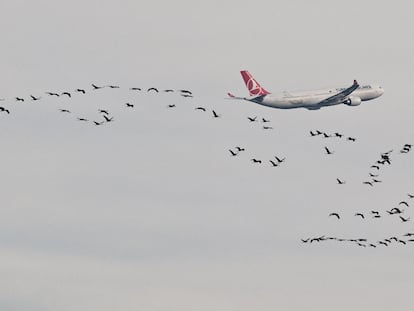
(311, 100)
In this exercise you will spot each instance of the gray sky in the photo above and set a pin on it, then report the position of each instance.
(150, 212)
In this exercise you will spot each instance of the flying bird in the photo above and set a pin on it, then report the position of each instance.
(233, 153)
(113, 86)
(19, 99)
(95, 87)
(108, 119)
(375, 166)
(411, 196)
(34, 97)
(80, 91)
(98, 123)
(385, 155)
(104, 111)
(168, 91)
(64, 110)
(273, 163)
(135, 89)
(83, 119)
(395, 210)
(153, 89)
(403, 203)
(256, 160)
(171, 106)
(360, 215)
(251, 119)
(186, 92)
(340, 182)
(338, 135)
(215, 115)
(200, 108)
(52, 94)
(351, 139)
(2, 109)
(267, 128)
(279, 160)
(387, 161)
(328, 151)
(404, 219)
(129, 105)
(67, 94)
(335, 214)
(264, 120)
(368, 183)
(240, 149)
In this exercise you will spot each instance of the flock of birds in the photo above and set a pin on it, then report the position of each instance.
(275, 162)
(398, 212)
(106, 117)
(385, 158)
(375, 214)
(364, 242)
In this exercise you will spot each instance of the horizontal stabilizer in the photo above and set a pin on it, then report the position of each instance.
(231, 96)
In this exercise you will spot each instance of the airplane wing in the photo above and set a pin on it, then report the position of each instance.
(339, 97)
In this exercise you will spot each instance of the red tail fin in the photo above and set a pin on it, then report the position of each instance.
(252, 85)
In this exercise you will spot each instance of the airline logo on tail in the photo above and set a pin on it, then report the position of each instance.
(252, 85)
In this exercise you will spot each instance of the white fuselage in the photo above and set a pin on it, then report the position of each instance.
(312, 99)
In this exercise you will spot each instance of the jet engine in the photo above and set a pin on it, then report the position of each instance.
(353, 101)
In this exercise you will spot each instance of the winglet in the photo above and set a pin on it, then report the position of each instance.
(231, 95)
(356, 83)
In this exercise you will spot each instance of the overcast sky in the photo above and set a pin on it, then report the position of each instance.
(150, 212)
